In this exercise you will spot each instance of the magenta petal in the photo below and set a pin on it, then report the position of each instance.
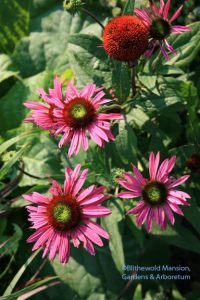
(138, 209)
(91, 235)
(169, 213)
(54, 245)
(166, 9)
(97, 228)
(143, 215)
(178, 181)
(64, 250)
(127, 195)
(176, 14)
(96, 211)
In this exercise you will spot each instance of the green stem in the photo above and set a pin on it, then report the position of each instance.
(92, 16)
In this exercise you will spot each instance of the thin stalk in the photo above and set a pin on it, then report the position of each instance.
(133, 81)
(28, 174)
(92, 16)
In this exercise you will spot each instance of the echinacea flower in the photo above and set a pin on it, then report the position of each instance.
(75, 115)
(160, 26)
(159, 196)
(65, 216)
(125, 38)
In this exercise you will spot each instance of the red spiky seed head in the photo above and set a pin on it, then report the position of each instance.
(125, 38)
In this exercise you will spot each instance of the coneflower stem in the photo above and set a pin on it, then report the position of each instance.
(92, 16)
(28, 174)
(133, 83)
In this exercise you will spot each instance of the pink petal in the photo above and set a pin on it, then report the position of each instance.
(84, 193)
(176, 14)
(175, 208)
(91, 235)
(169, 213)
(138, 175)
(153, 165)
(130, 187)
(178, 181)
(138, 209)
(127, 195)
(143, 215)
(55, 189)
(166, 9)
(179, 29)
(80, 182)
(164, 52)
(96, 211)
(97, 228)
(88, 91)
(42, 239)
(64, 249)
(55, 245)
(74, 142)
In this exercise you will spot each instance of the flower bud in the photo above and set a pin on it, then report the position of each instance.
(72, 6)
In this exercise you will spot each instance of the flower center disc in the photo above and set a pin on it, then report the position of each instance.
(79, 113)
(63, 213)
(160, 29)
(154, 193)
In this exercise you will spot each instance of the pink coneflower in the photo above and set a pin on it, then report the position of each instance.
(66, 215)
(159, 196)
(75, 115)
(160, 27)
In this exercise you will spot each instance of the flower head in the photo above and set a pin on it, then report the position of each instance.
(75, 115)
(125, 38)
(159, 24)
(159, 196)
(65, 216)
(72, 6)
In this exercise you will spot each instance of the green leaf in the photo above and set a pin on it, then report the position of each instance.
(12, 109)
(178, 236)
(7, 165)
(41, 160)
(16, 278)
(187, 46)
(129, 6)
(80, 273)
(50, 27)
(126, 144)
(192, 215)
(88, 60)
(14, 18)
(11, 242)
(114, 227)
(138, 292)
(121, 81)
(9, 143)
(28, 289)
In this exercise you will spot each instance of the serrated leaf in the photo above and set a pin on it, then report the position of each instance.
(41, 160)
(187, 46)
(121, 81)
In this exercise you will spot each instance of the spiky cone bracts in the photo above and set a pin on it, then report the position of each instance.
(160, 26)
(125, 38)
(65, 215)
(76, 115)
(159, 197)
